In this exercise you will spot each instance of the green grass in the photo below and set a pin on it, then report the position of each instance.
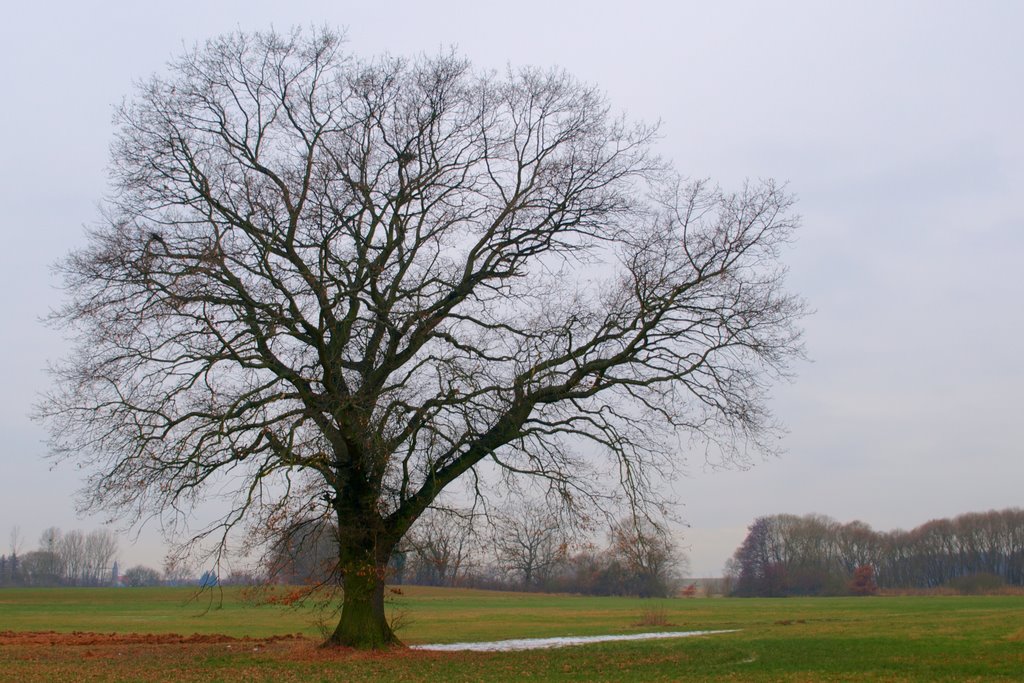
(143, 610)
(847, 639)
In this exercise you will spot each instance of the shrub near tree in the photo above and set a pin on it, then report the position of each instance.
(863, 582)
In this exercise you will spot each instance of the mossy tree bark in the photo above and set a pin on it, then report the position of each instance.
(363, 622)
(365, 544)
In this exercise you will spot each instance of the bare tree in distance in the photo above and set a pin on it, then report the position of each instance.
(50, 564)
(73, 556)
(530, 540)
(442, 544)
(84, 558)
(17, 539)
(100, 552)
(177, 572)
(337, 286)
(649, 556)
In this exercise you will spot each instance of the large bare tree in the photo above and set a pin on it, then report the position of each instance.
(334, 287)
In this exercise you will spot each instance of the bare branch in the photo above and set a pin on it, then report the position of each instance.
(334, 287)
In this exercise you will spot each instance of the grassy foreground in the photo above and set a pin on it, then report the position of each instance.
(835, 639)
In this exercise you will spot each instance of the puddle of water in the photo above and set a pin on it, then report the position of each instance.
(543, 643)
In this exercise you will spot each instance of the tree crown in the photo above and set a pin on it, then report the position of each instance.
(340, 285)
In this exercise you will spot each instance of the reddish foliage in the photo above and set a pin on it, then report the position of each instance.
(287, 599)
(863, 582)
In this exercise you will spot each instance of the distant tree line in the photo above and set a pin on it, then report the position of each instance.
(73, 558)
(77, 558)
(816, 555)
(528, 548)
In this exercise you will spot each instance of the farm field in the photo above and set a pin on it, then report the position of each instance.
(168, 634)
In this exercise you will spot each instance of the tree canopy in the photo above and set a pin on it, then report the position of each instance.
(331, 287)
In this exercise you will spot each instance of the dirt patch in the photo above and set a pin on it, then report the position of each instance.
(46, 656)
(1017, 636)
(86, 638)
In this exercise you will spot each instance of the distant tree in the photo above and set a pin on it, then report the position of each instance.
(345, 285)
(648, 557)
(177, 573)
(38, 568)
(14, 568)
(759, 567)
(72, 557)
(530, 541)
(442, 545)
(52, 562)
(857, 545)
(934, 552)
(14, 574)
(140, 576)
(82, 559)
(16, 540)
(99, 552)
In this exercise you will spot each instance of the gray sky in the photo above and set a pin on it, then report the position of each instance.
(899, 125)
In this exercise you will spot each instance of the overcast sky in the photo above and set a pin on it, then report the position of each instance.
(899, 126)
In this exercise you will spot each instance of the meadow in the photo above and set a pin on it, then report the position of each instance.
(173, 634)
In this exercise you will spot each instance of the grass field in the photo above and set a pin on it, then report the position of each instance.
(834, 639)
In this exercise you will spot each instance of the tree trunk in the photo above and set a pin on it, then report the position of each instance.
(363, 621)
(364, 548)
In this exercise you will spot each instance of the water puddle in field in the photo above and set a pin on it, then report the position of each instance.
(544, 643)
